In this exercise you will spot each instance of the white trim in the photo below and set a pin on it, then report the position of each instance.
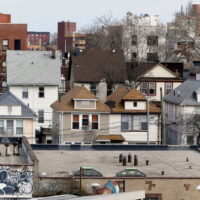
(80, 100)
(80, 121)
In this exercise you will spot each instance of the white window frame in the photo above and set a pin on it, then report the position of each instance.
(80, 121)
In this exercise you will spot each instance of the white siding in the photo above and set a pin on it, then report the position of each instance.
(159, 71)
(15, 110)
(36, 103)
(136, 136)
(129, 105)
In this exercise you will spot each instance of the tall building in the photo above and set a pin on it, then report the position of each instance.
(68, 39)
(144, 38)
(12, 37)
(38, 40)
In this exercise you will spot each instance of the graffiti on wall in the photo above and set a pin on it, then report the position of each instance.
(15, 182)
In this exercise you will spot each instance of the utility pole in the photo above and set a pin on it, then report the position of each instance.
(163, 135)
(147, 120)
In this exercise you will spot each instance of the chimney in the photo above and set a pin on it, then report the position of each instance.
(102, 90)
(53, 54)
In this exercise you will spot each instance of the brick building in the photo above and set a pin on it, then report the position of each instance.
(68, 39)
(38, 40)
(12, 37)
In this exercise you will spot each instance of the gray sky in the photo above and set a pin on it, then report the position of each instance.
(43, 15)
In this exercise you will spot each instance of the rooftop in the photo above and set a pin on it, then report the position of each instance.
(33, 68)
(172, 162)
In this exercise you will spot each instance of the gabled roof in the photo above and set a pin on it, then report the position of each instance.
(135, 70)
(7, 98)
(117, 98)
(184, 94)
(33, 68)
(67, 104)
(95, 64)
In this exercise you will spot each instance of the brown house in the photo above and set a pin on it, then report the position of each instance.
(79, 116)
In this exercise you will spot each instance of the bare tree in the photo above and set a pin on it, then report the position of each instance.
(104, 33)
(183, 34)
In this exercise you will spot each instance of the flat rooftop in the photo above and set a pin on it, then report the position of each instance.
(172, 162)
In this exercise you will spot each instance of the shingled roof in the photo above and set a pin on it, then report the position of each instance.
(7, 98)
(117, 98)
(135, 70)
(66, 102)
(95, 64)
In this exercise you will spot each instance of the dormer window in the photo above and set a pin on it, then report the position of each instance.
(86, 103)
(135, 104)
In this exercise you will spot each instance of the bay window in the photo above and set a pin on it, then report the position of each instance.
(19, 126)
(75, 123)
(10, 127)
(95, 123)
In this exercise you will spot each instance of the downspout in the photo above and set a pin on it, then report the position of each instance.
(61, 135)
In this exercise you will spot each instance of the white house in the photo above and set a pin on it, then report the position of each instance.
(182, 109)
(34, 77)
(16, 119)
(129, 116)
(150, 77)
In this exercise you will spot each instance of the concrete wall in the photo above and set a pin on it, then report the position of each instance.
(162, 188)
(36, 103)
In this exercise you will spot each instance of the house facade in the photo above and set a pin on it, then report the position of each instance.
(35, 80)
(182, 109)
(79, 117)
(133, 117)
(151, 78)
(16, 119)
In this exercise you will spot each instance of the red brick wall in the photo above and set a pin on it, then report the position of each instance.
(5, 18)
(13, 32)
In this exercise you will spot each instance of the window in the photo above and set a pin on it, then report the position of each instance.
(168, 88)
(134, 122)
(10, 127)
(109, 89)
(41, 116)
(140, 122)
(85, 120)
(17, 44)
(9, 109)
(135, 104)
(4, 45)
(25, 93)
(127, 123)
(133, 57)
(144, 88)
(4, 67)
(93, 88)
(152, 40)
(134, 39)
(95, 124)
(75, 123)
(19, 126)
(41, 92)
(1, 126)
(190, 140)
(152, 88)
(152, 57)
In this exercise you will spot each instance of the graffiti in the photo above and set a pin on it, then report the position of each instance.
(14, 182)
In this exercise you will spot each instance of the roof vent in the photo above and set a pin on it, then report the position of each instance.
(113, 50)
(19, 53)
(179, 93)
(32, 62)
